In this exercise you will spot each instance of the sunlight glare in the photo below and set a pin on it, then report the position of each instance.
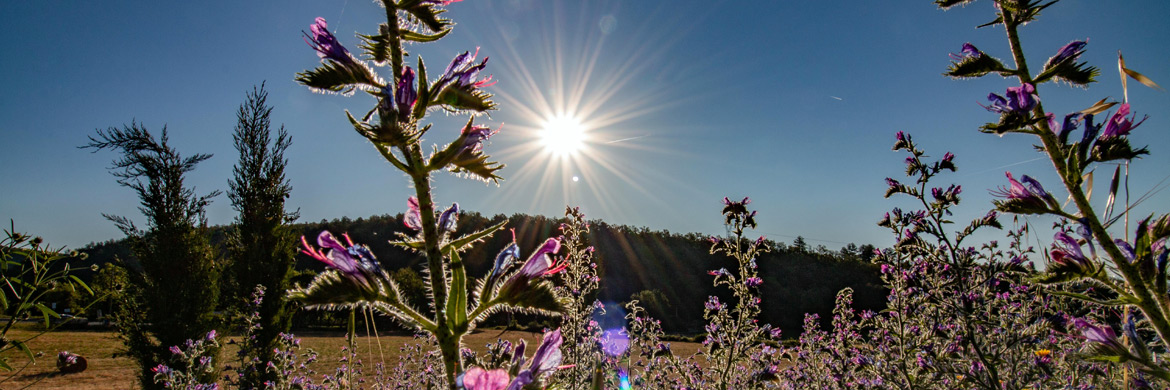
(563, 135)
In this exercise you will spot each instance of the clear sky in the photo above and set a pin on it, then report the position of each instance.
(793, 103)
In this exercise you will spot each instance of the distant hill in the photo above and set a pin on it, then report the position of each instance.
(797, 279)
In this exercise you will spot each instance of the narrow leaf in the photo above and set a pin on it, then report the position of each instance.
(417, 37)
(1098, 107)
(457, 299)
(1112, 192)
(463, 243)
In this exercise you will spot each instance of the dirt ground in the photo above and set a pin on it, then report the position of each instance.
(109, 370)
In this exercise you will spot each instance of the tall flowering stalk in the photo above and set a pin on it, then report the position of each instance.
(395, 128)
(1135, 271)
(579, 282)
(733, 334)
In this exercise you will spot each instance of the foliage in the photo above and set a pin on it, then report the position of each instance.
(171, 302)
(261, 244)
(579, 282)
(32, 272)
(357, 279)
(1132, 272)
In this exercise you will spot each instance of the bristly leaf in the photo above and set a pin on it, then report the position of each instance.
(538, 297)
(1075, 74)
(456, 99)
(330, 290)
(457, 299)
(377, 46)
(1115, 148)
(464, 243)
(1008, 123)
(1112, 192)
(427, 15)
(479, 167)
(418, 37)
(424, 92)
(337, 78)
(947, 4)
(976, 66)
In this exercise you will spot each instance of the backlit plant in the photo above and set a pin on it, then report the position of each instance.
(395, 126)
(1131, 267)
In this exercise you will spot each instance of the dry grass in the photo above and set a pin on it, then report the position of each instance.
(108, 372)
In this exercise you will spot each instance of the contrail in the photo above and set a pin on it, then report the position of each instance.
(834, 97)
(1005, 166)
(628, 139)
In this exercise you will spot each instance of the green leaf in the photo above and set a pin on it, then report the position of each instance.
(77, 282)
(464, 98)
(1115, 148)
(417, 37)
(947, 4)
(479, 167)
(457, 299)
(537, 297)
(427, 15)
(1075, 74)
(424, 91)
(4, 364)
(46, 312)
(976, 66)
(377, 46)
(464, 243)
(1112, 302)
(334, 77)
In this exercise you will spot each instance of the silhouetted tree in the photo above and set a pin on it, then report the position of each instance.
(177, 292)
(262, 247)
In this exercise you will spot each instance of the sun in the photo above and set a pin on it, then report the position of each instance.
(563, 135)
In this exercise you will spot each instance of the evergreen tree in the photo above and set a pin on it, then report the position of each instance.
(262, 246)
(175, 290)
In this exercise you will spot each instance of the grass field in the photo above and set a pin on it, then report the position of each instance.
(116, 373)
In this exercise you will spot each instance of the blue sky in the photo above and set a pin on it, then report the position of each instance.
(793, 103)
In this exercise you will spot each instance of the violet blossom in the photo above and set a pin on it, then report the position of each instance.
(1118, 125)
(405, 96)
(477, 378)
(1027, 197)
(326, 44)
(413, 217)
(546, 358)
(1070, 52)
(354, 261)
(1019, 100)
(448, 218)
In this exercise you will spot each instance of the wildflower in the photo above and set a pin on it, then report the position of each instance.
(969, 51)
(540, 262)
(1043, 356)
(448, 217)
(356, 262)
(1071, 121)
(753, 282)
(1027, 197)
(477, 378)
(1069, 53)
(718, 272)
(405, 96)
(1104, 341)
(903, 141)
(461, 74)
(473, 137)
(1019, 100)
(413, 217)
(546, 358)
(950, 195)
(1118, 125)
(947, 162)
(326, 44)
(439, 2)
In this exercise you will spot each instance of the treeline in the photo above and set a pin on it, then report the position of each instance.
(666, 271)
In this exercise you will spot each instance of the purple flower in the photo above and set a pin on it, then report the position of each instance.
(1028, 197)
(968, 51)
(448, 217)
(1104, 338)
(546, 358)
(473, 137)
(1071, 122)
(354, 261)
(413, 217)
(326, 44)
(718, 272)
(753, 282)
(1070, 52)
(903, 141)
(713, 304)
(1118, 125)
(541, 262)
(175, 350)
(614, 342)
(478, 378)
(439, 2)
(405, 96)
(1066, 251)
(460, 73)
(1019, 100)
